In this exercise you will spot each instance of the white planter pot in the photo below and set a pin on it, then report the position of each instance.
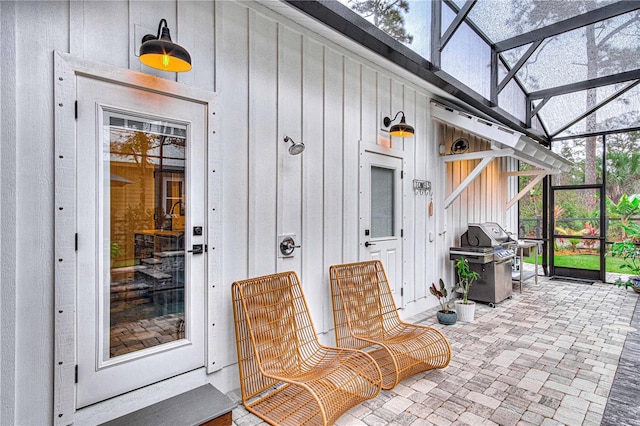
(466, 312)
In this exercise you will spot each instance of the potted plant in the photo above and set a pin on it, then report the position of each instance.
(629, 251)
(465, 308)
(445, 315)
(115, 252)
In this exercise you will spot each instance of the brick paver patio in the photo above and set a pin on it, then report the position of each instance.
(547, 356)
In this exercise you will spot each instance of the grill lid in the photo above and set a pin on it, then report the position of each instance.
(488, 234)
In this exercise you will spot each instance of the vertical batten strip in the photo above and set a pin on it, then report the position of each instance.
(312, 171)
(421, 202)
(289, 123)
(351, 136)
(333, 160)
(409, 200)
(8, 214)
(263, 144)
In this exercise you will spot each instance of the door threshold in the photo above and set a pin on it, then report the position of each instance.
(572, 279)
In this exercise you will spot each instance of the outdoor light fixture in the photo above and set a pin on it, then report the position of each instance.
(401, 129)
(296, 147)
(161, 53)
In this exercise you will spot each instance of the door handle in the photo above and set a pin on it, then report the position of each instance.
(367, 244)
(198, 249)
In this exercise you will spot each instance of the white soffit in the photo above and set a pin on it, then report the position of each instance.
(524, 148)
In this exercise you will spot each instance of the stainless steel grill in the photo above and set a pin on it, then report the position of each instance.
(490, 252)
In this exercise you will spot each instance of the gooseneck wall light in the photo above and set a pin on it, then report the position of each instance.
(402, 129)
(296, 147)
(161, 53)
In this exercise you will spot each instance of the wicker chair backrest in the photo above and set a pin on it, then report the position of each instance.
(279, 336)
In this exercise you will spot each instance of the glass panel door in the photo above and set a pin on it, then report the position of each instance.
(577, 233)
(577, 207)
(141, 183)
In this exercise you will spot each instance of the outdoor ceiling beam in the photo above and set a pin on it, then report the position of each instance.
(538, 107)
(588, 18)
(453, 6)
(484, 106)
(595, 108)
(512, 72)
(457, 21)
(493, 96)
(599, 133)
(586, 84)
(532, 112)
(436, 30)
(493, 80)
(487, 158)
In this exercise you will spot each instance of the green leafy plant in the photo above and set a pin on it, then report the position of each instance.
(629, 252)
(445, 304)
(627, 206)
(115, 250)
(466, 277)
(574, 243)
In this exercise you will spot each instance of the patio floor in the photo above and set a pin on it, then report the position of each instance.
(547, 356)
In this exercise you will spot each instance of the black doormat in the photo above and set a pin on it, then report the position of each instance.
(573, 280)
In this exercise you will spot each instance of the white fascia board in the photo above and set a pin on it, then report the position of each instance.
(479, 155)
(478, 126)
(545, 155)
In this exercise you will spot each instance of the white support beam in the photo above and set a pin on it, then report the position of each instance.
(487, 158)
(533, 172)
(539, 175)
(478, 155)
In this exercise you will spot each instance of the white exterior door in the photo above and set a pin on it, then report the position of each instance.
(381, 215)
(141, 270)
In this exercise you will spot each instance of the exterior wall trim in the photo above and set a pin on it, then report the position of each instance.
(66, 68)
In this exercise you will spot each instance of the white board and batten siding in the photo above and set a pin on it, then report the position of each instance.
(485, 198)
(273, 78)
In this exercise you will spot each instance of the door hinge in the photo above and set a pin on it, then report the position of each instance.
(401, 171)
(402, 233)
(76, 110)
(401, 294)
(76, 379)
(76, 241)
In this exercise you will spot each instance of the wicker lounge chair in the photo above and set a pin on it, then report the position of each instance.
(286, 376)
(366, 318)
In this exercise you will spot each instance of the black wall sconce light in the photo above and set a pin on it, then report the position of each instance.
(161, 53)
(296, 147)
(401, 129)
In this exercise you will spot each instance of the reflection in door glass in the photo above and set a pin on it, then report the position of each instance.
(144, 215)
(381, 202)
